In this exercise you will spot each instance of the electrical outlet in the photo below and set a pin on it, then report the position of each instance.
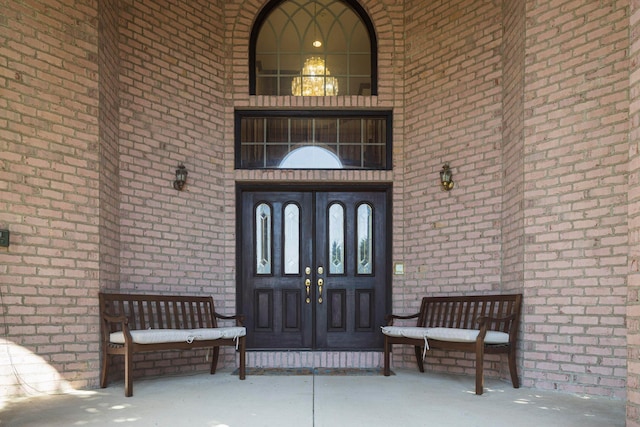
(4, 238)
(398, 268)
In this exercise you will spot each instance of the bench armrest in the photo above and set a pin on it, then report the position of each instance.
(485, 321)
(389, 318)
(115, 319)
(239, 318)
(124, 324)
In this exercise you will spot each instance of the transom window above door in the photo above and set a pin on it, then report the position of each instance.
(313, 140)
(313, 48)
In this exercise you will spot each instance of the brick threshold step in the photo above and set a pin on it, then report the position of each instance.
(314, 359)
(314, 371)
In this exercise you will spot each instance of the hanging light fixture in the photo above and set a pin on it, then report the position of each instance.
(316, 40)
(314, 80)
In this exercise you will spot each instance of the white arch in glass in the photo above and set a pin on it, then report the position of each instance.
(310, 157)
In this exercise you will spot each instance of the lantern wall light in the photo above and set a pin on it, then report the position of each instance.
(181, 178)
(446, 178)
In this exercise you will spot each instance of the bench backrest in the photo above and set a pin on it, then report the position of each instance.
(463, 311)
(160, 311)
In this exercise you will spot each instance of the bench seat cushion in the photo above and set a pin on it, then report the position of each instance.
(156, 336)
(233, 332)
(405, 331)
(445, 334)
(466, 335)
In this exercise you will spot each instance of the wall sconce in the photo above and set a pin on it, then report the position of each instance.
(446, 178)
(181, 178)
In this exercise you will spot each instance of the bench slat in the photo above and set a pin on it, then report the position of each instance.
(143, 314)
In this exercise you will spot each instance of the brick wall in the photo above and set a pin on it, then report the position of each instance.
(171, 113)
(633, 278)
(576, 159)
(109, 119)
(513, 62)
(49, 195)
(512, 220)
(453, 101)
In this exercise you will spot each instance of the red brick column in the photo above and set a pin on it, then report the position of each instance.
(633, 281)
(49, 195)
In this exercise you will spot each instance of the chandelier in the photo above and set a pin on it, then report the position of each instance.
(314, 80)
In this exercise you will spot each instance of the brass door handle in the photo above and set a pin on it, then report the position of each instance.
(320, 284)
(307, 284)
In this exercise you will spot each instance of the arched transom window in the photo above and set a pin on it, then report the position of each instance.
(313, 48)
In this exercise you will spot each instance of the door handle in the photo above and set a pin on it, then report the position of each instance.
(307, 284)
(320, 284)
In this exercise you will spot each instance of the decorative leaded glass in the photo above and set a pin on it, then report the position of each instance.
(365, 239)
(263, 239)
(336, 239)
(291, 239)
(313, 48)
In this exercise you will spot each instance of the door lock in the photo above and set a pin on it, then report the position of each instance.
(320, 270)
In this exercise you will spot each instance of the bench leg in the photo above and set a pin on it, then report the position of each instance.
(105, 370)
(418, 351)
(513, 370)
(128, 374)
(215, 354)
(387, 356)
(479, 369)
(241, 348)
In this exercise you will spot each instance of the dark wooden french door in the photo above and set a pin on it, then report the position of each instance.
(313, 268)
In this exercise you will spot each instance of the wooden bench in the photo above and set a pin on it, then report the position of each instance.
(483, 324)
(136, 323)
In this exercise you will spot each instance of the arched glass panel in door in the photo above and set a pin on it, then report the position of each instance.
(291, 239)
(313, 48)
(263, 238)
(365, 239)
(336, 239)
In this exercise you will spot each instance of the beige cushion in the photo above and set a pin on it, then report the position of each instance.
(414, 332)
(405, 331)
(466, 335)
(155, 336)
(233, 332)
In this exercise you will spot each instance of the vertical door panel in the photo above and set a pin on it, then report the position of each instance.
(291, 311)
(337, 309)
(263, 307)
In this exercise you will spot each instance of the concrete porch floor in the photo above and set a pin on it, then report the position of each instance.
(406, 399)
